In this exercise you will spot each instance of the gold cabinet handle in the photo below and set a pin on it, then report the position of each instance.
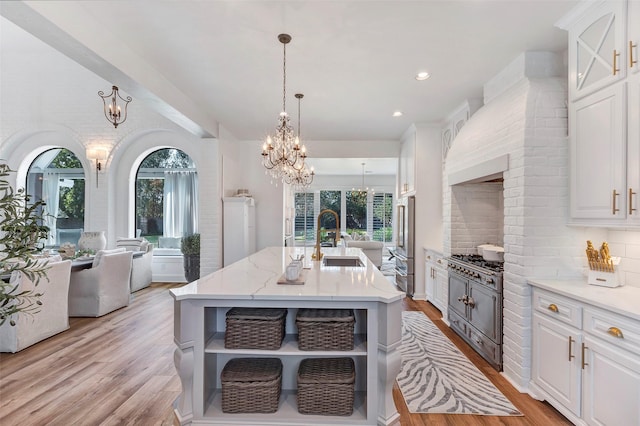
(615, 331)
(584, 348)
(570, 342)
(614, 210)
(631, 194)
(615, 62)
(631, 46)
(553, 308)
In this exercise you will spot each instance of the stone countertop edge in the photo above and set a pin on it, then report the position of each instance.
(260, 272)
(624, 300)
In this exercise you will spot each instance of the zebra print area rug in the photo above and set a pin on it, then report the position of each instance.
(437, 378)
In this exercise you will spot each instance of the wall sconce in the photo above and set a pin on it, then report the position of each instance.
(112, 111)
(97, 154)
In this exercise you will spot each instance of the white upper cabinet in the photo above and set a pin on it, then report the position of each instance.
(598, 157)
(407, 166)
(597, 48)
(604, 129)
(455, 121)
(633, 36)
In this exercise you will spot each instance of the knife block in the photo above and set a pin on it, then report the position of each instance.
(605, 278)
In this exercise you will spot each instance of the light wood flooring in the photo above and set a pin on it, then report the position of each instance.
(118, 370)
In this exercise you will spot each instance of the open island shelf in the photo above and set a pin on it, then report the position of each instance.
(200, 309)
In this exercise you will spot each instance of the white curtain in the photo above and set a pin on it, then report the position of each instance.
(51, 196)
(180, 203)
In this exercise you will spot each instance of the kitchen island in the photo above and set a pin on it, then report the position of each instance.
(199, 325)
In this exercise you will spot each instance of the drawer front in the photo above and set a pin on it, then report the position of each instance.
(435, 259)
(457, 322)
(613, 328)
(485, 346)
(558, 307)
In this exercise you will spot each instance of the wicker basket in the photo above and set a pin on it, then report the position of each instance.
(325, 329)
(254, 328)
(251, 385)
(326, 386)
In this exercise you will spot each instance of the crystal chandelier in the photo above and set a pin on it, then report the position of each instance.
(302, 178)
(282, 154)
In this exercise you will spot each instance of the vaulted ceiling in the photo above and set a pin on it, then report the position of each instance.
(209, 62)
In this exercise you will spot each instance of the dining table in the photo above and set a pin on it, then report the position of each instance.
(77, 264)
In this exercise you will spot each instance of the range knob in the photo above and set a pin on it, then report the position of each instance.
(489, 280)
(476, 275)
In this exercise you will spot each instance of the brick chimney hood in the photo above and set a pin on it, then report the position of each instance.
(481, 150)
(520, 134)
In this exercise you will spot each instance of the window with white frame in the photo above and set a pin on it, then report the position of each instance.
(57, 177)
(166, 196)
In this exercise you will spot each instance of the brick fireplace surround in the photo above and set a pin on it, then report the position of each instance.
(524, 120)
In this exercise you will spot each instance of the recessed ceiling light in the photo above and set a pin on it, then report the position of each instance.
(397, 114)
(423, 75)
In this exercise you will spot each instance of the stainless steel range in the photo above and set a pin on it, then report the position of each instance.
(475, 304)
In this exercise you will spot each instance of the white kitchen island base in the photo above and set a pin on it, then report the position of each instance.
(199, 325)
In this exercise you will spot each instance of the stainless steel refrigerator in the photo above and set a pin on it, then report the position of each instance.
(405, 242)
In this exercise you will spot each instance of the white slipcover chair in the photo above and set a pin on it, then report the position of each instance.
(53, 317)
(103, 288)
(141, 274)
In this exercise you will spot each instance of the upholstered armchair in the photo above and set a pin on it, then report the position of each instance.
(104, 287)
(141, 274)
(372, 249)
(53, 315)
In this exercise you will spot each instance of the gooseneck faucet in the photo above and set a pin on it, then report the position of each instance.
(317, 254)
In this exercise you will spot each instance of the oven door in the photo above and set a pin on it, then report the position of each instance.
(485, 311)
(458, 292)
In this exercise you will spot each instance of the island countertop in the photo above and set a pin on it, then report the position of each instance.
(256, 277)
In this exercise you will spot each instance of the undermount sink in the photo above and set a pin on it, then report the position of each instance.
(349, 261)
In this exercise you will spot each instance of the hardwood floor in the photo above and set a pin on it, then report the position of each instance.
(118, 370)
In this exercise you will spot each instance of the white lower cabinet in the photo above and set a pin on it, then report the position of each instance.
(611, 385)
(555, 368)
(436, 280)
(585, 360)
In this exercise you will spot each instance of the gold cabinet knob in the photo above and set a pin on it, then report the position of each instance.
(553, 308)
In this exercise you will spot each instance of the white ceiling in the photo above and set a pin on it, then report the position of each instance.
(220, 61)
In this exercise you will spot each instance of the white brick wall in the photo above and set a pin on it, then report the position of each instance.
(528, 122)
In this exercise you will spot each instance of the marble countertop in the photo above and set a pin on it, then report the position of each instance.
(256, 277)
(623, 300)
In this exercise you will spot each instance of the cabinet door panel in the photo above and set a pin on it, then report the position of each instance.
(633, 32)
(593, 41)
(442, 290)
(611, 383)
(633, 147)
(430, 282)
(553, 370)
(598, 155)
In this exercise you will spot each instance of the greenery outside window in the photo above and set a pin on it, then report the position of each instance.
(356, 212)
(57, 177)
(328, 228)
(382, 224)
(166, 196)
(304, 219)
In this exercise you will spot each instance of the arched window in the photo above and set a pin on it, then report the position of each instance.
(57, 177)
(166, 196)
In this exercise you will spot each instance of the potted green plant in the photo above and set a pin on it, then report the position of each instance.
(21, 239)
(191, 254)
